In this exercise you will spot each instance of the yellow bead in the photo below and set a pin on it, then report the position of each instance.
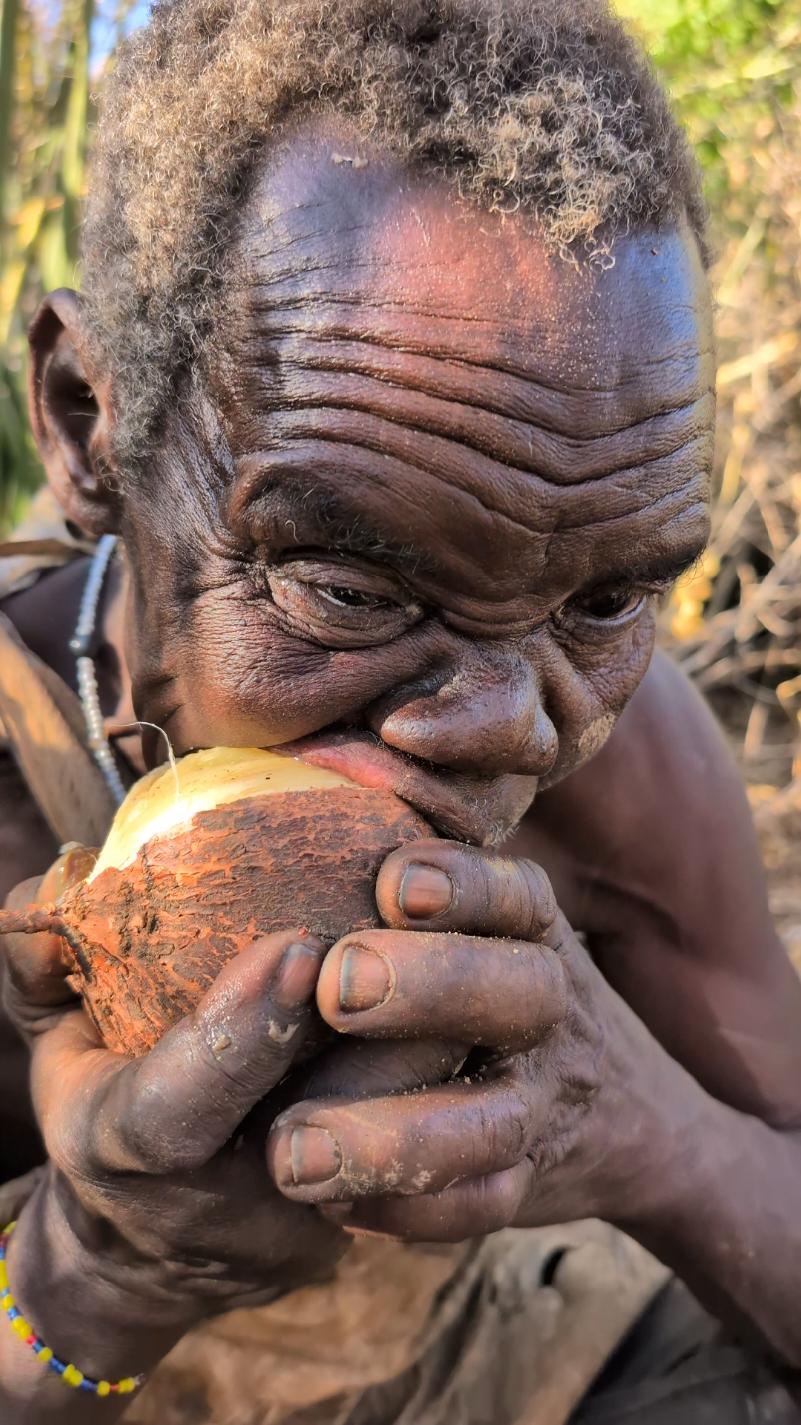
(7, 1301)
(45, 1355)
(126, 1385)
(72, 1376)
(103, 1387)
(22, 1327)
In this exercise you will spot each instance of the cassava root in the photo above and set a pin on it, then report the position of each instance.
(245, 843)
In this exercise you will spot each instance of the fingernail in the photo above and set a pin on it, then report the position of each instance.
(314, 1156)
(297, 975)
(365, 980)
(72, 866)
(424, 892)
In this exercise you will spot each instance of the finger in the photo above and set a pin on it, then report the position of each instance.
(337, 1151)
(359, 1068)
(469, 1209)
(394, 984)
(70, 1072)
(36, 983)
(177, 1106)
(443, 885)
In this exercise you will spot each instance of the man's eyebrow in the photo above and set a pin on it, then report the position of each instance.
(343, 527)
(665, 568)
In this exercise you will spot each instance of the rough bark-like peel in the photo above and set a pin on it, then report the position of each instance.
(246, 843)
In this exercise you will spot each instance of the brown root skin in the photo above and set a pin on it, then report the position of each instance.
(147, 941)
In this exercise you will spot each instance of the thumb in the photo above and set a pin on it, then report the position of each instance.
(35, 983)
(181, 1102)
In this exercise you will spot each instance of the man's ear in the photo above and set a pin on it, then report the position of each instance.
(71, 415)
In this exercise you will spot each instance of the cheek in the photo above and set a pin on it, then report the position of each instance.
(588, 689)
(243, 680)
(593, 737)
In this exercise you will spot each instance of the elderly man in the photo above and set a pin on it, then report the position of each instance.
(393, 376)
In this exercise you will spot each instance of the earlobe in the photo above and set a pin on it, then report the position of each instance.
(70, 415)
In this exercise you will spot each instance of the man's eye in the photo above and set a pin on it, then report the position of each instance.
(370, 608)
(609, 603)
(346, 598)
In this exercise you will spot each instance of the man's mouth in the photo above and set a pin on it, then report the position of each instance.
(482, 810)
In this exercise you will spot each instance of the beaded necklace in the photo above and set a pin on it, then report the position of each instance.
(82, 644)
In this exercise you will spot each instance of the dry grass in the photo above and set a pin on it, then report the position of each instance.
(735, 624)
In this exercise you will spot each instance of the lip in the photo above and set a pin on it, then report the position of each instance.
(482, 810)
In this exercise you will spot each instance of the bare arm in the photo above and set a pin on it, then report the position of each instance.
(654, 843)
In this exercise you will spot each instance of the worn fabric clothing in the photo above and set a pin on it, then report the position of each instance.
(677, 1366)
(501, 1331)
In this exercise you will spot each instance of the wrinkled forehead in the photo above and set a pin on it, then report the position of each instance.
(331, 220)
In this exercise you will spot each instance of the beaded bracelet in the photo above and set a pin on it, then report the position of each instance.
(69, 1374)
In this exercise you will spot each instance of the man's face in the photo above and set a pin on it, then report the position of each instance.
(420, 512)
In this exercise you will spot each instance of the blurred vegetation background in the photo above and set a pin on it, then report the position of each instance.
(734, 70)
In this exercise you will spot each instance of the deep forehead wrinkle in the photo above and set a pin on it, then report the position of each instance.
(406, 238)
(436, 372)
(517, 443)
(383, 327)
(478, 510)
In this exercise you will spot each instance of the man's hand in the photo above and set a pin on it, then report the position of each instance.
(559, 1110)
(155, 1209)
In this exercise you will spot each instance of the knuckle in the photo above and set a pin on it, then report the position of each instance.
(539, 899)
(501, 1197)
(518, 1129)
(505, 1124)
(553, 997)
(142, 1131)
(240, 1067)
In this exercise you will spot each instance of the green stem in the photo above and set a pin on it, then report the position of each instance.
(75, 125)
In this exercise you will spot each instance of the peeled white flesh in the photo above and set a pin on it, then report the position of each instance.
(169, 797)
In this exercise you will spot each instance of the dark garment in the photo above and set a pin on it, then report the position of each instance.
(677, 1366)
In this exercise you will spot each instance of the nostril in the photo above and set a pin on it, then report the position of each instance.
(400, 703)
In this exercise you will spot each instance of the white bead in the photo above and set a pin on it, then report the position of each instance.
(80, 644)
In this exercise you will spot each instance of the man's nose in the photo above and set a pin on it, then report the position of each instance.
(486, 716)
